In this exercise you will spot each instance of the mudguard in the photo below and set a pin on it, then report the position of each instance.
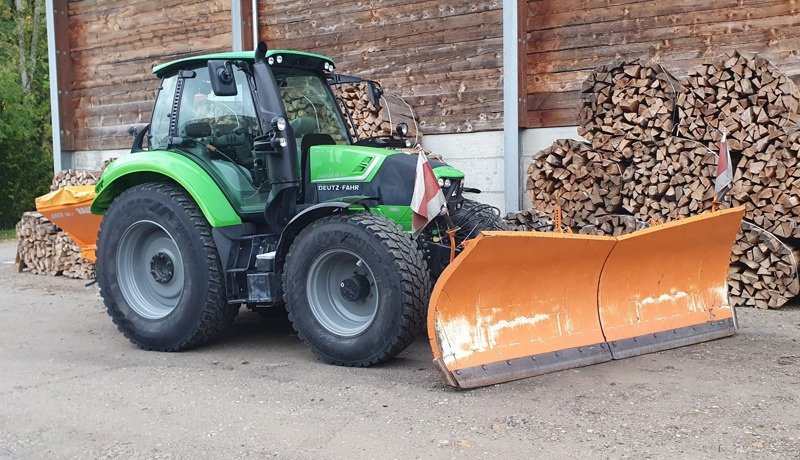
(147, 166)
(519, 304)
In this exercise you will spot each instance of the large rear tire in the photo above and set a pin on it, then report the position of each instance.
(473, 217)
(158, 269)
(356, 289)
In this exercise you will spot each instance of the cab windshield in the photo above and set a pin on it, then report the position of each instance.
(310, 105)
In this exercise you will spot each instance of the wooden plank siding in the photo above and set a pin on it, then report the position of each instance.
(443, 57)
(567, 39)
(113, 46)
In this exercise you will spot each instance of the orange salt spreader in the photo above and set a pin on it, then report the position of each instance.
(68, 208)
(519, 304)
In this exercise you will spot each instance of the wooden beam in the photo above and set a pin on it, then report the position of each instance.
(66, 108)
(247, 24)
(522, 58)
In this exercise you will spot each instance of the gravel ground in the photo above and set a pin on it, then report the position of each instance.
(72, 386)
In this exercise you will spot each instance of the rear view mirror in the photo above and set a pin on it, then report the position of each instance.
(375, 93)
(222, 80)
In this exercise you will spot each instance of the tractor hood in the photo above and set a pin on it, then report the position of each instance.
(353, 163)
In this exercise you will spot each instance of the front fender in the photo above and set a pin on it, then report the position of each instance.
(308, 215)
(148, 166)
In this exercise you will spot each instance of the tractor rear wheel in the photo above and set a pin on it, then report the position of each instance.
(158, 269)
(356, 288)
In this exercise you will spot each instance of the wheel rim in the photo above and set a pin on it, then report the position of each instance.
(150, 269)
(342, 292)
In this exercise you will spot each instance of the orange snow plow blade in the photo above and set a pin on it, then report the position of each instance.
(68, 208)
(519, 304)
(666, 286)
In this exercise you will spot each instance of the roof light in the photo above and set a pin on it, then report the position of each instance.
(279, 59)
(271, 60)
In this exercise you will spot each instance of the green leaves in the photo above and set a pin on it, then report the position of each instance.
(25, 139)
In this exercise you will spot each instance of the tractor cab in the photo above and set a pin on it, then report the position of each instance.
(207, 107)
(251, 122)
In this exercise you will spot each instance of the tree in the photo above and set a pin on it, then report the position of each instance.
(28, 44)
(25, 136)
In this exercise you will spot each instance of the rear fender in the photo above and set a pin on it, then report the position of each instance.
(142, 167)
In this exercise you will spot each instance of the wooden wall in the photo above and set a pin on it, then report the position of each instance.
(113, 45)
(444, 57)
(566, 39)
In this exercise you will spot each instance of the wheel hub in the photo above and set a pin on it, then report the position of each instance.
(162, 268)
(355, 288)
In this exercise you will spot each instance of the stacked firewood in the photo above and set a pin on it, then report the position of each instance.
(662, 136)
(613, 225)
(581, 180)
(529, 220)
(763, 270)
(364, 120)
(70, 177)
(744, 95)
(768, 184)
(44, 249)
(626, 103)
(670, 179)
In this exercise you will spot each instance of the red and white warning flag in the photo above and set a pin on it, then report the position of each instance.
(724, 169)
(428, 200)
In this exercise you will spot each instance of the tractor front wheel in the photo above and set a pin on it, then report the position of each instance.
(158, 269)
(356, 288)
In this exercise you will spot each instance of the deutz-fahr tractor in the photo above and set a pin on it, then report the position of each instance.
(232, 197)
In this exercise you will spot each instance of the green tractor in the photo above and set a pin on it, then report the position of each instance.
(231, 197)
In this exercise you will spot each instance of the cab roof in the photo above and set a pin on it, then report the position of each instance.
(165, 68)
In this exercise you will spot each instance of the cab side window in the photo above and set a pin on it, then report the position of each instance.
(219, 131)
(159, 124)
(231, 119)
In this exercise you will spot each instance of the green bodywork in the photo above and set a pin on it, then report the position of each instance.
(352, 163)
(162, 69)
(345, 163)
(342, 163)
(401, 215)
(158, 165)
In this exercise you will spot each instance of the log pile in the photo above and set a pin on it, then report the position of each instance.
(46, 250)
(768, 184)
(70, 177)
(746, 95)
(612, 225)
(662, 138)
(669, 180)
(763, 270)
(529, 220)
(573, 175)
(625, 103)
(367, 120)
